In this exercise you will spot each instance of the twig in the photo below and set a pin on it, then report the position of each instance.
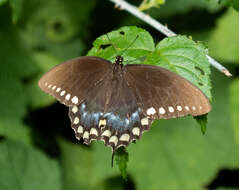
(122, 4)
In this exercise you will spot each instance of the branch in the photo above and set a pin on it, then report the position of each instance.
(122, 4)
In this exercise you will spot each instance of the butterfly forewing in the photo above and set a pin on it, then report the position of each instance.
(164, 94)
(70, 82)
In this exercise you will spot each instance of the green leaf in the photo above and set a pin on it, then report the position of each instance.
(20, 65)
(224, 40)
(172, 7)
(17, 6)
(23, 167)
(15, 130)
(121, 158)
(178, 54)
(54, 27)
(13, 95)
(235, 4)
(234, 105)
(150, 3)
(202, 121)
(82, 169)
(122, 39)
(3, 1)
(44, 63)
(13, 109)
(186, 58)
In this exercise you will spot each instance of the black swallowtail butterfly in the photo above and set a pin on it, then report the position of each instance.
(116, 103)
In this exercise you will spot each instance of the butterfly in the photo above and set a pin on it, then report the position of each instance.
(116, 103)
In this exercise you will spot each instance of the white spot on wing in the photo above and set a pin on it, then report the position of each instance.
(102, 122)
(179, 108)
(93, 131)
(49, 86)
(151, 111)
(200, 107)
(162, 110)
(145, 121)
(86, 135)
(74, 109)
(106, 133)
(76, 120)
(114, 140)
(80, 129)
(170, 109)
(194, 108)
(54, 87)
(46, 83)
(62, 93)
(187, 108)
(58, 89)
(74, 100)
(136, 131)
(124, 137)
(68, 96)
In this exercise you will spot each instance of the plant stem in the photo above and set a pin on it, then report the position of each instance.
(122, 4)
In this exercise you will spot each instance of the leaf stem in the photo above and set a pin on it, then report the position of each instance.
(122, 4)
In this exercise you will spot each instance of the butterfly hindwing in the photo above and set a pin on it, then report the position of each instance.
(109, 113)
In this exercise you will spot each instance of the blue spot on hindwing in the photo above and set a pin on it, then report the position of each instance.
(119, 122)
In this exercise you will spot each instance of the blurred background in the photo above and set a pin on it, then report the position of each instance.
(38, 149)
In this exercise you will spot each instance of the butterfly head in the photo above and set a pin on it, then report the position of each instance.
(119, 60)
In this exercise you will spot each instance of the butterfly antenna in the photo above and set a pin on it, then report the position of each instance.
(112, 44)
(130, 45)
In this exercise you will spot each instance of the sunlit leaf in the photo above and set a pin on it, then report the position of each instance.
(147, 4)
(178, 54)
(188, 59)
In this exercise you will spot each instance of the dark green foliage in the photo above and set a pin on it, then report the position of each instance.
(235, 4)
(121, 158)
(202, 121)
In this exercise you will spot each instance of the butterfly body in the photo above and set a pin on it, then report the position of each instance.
(116, 103)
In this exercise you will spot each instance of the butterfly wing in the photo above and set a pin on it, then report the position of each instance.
(110, 113)
(70, 82)
(164, 94)
(117, 107)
